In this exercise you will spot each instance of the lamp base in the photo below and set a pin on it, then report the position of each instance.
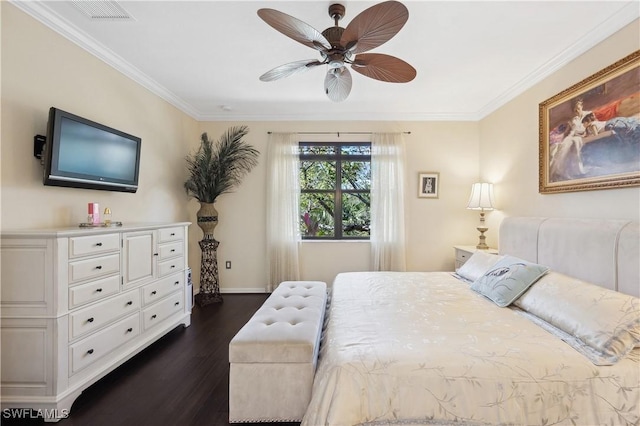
(482, 244)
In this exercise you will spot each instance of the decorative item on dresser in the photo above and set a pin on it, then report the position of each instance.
(77, 303)
(481, 199)
(215, 169)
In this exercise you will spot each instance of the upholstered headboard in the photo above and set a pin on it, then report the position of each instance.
(600, 251)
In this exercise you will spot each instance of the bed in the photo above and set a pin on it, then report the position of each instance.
(426, 348)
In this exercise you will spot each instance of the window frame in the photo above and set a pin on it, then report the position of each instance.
(338, 191)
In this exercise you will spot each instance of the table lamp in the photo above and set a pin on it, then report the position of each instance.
(481, 199)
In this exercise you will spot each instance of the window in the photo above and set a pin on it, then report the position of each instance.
(335, 182)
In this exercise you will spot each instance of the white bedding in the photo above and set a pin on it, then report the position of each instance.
(423, 348)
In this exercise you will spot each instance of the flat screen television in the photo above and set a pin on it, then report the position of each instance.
(81, 153)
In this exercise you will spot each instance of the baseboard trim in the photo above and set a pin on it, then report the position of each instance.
(244, 290)
(238, 290)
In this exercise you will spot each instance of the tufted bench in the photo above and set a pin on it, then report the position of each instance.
(273, 357)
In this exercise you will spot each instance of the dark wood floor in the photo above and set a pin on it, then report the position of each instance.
(180, 380)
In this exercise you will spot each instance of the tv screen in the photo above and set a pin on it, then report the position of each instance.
(81, 153)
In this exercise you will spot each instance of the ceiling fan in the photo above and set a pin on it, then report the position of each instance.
(340, 47)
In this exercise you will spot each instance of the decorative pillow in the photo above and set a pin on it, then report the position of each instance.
(477, 265)
(594, 356)
(607, 321)
(505, 281)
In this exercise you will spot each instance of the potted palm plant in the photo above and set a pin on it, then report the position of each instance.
(214, 169)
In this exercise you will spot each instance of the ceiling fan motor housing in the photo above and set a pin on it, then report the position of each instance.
(368, 30)
(333, 35)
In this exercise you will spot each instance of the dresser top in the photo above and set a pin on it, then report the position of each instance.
(73, 231)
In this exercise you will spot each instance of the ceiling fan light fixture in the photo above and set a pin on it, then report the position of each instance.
(337, 70)
(342, 46)
(335, 60)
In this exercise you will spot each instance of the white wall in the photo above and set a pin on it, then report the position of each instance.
(41, 69)
(433, 225)
(509, 147)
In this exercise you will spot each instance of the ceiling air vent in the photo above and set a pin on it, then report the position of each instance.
(102, 9)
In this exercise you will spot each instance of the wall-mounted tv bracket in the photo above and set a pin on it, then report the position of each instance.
(39, 142)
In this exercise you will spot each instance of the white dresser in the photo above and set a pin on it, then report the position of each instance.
(77, 303)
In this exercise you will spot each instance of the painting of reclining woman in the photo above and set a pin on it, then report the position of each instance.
(590, 133)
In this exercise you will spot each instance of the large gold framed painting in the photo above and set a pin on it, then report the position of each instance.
(590, 132)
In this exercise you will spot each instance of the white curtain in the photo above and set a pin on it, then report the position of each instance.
(283, 195)
(387, 203)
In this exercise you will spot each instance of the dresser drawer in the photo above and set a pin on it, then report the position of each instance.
(462, 256)
(82, 270)
(93, 291)
(157, 290)
(164, 309)
(91, 349)
(170, 266)
(93, 244)
(170, 234)
(94, 317)
(169, 250)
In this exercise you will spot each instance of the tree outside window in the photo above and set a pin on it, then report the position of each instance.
(335, 182)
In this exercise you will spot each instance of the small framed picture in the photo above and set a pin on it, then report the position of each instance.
(428, 184)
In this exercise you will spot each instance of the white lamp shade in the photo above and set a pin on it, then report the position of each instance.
(481, 197)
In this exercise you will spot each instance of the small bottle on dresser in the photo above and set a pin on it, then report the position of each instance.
(94, 213)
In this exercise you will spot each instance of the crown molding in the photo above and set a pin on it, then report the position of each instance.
(342, 116)
(626, 15)
(39, 11)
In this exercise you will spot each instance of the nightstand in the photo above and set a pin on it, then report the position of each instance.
(463, 253)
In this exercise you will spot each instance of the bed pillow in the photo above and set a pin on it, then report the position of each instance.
(477, 265)
(607, 321)
(505, 281)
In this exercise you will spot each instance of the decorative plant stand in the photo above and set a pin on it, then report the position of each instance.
(209, 285)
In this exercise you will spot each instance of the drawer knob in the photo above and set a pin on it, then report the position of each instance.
(153, 293)
(129, 330)
(129, 303)
(173, 250)
(153, 316)
(173, 234)
(99, 267)
(176, 283)
(90, 351)
(173, 266)
(90, 319)
(99, 244)
(155, 254)
(99, 290)
(176, 304)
